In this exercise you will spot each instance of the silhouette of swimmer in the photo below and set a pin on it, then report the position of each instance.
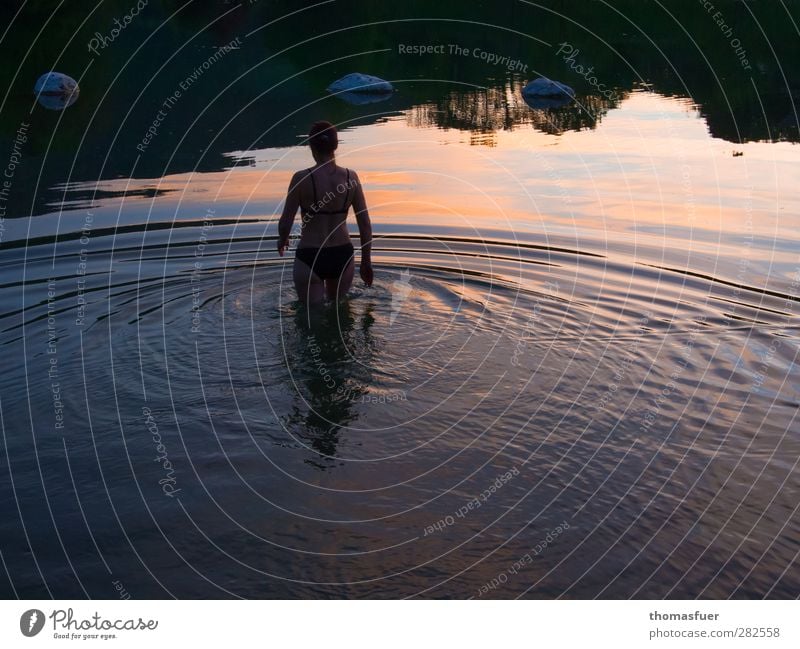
(324, 261)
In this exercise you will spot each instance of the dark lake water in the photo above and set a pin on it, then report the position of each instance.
(573, 377)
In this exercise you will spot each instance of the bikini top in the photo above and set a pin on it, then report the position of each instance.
(347, 201)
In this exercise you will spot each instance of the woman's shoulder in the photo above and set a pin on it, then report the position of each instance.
(300, 175)
(351, 174)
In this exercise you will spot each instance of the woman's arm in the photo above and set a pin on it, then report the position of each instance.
(364, 231)
(289, 211)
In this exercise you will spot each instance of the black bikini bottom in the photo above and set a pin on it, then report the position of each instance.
(327, 263)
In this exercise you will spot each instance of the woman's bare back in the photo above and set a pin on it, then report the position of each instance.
(326, 194)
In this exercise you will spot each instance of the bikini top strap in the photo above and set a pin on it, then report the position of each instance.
(313, 185)
(347, 200)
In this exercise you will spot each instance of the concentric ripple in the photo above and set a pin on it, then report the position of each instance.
(496, 390)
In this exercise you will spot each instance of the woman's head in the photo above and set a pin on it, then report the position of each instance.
(322, 138)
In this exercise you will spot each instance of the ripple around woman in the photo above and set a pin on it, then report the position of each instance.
(324, 262)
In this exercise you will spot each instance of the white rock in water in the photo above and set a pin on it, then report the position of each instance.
(55, 83)
(542, 87)
(357, 82)
(56, 91)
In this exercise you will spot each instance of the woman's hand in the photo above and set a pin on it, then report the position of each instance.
(365, 271)
(283, 244)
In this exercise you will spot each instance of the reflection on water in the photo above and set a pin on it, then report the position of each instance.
(329, 355)
(588, 323)
(364, 98)
(487, 110)
(269, 88)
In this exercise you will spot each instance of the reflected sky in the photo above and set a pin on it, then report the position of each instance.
(270, 88)
(648, 181)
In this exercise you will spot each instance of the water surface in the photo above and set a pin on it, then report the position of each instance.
(573, 377)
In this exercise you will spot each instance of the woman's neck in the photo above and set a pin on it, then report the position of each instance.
(329, 160)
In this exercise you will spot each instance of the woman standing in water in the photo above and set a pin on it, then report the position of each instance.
(324, 262)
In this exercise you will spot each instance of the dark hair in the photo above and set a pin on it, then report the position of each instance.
(322, 137)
